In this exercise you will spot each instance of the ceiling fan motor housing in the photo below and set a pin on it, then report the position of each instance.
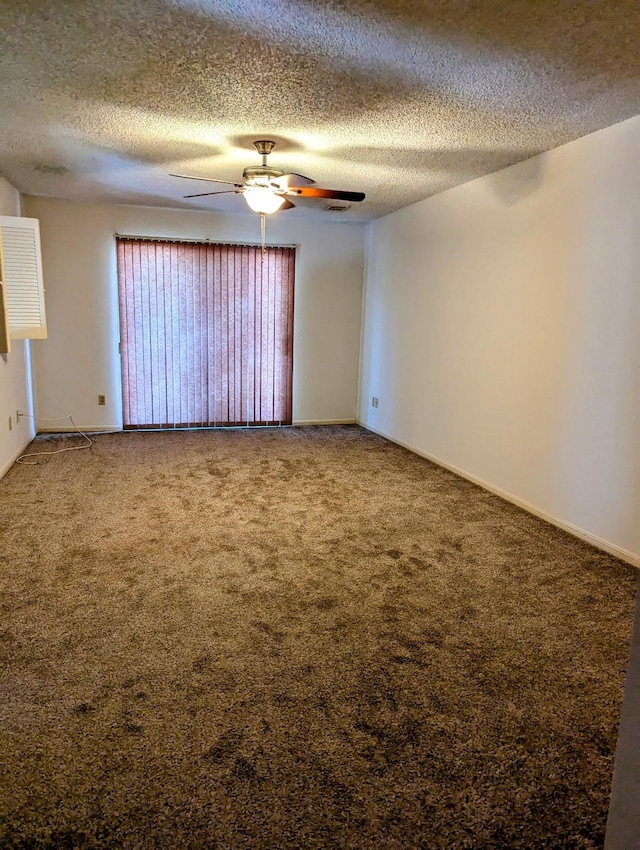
(260, 175)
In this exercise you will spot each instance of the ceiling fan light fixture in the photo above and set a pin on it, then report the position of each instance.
(263, 200)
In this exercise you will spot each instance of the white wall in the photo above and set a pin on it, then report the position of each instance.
(80, 358)
(15, 392)
(501, 333)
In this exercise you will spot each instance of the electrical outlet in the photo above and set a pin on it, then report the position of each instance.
(18, 415)
(10, 424)
(102, 399)
(374, 401)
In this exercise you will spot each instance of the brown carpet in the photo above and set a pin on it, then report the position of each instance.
(297, 638)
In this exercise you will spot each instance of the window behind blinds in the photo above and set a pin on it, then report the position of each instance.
(206, 334)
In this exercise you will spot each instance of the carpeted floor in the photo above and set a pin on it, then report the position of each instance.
(297, 638)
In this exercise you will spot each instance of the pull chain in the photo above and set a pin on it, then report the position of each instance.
(263, 232)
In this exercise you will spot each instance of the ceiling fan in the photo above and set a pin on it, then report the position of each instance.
(267, 190)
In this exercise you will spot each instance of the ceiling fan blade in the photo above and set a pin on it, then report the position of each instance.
(292, 179)
(315, 192)
(224, 192)
(208, 179)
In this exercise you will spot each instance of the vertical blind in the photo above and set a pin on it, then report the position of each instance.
(206, 334)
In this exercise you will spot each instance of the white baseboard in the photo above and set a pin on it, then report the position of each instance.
(105, 430)
(7, 466)
(85, 430)
(598, 542)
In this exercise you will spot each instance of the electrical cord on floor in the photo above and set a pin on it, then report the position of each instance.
(87, 445)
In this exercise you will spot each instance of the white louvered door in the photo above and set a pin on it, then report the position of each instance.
(23, 288)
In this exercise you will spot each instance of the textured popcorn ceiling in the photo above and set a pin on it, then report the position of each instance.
(101, 99)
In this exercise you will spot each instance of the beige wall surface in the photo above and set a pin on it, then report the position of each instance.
(501, 333)
(15, 386)
(80, 358)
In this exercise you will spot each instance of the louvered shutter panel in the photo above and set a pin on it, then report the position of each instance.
(5, 342)
(22, 277)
